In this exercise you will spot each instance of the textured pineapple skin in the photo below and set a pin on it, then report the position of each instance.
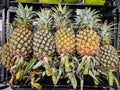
(87, 42)
(6, 56)
(21, 41)
(65, 41)
(107, 57)
(43, 43)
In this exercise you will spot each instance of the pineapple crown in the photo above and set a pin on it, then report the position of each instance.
(9, 30)
(24, 14)
(106, 33)
(61, 15)
(45, 18)
(88, 19)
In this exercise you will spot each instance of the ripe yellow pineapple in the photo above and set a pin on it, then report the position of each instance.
(64, 41)
(64, 36)
(7, 56)
(87, 40)
(107, 56)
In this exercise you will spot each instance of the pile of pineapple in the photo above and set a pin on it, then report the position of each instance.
(52, 48)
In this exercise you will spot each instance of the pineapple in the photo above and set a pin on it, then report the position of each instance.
(6, 56)
(43, 41)
(64, 41)
(64, 36)
(87, 42)
(107, 56)
(21, 39)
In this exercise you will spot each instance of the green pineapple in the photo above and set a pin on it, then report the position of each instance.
(43, 41)
(107, 56)
(87, 40)
(7, 56)
(21, 39)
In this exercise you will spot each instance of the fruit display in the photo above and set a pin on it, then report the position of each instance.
(94, 2)
(26, 0)
(50, 1)
(60, 45)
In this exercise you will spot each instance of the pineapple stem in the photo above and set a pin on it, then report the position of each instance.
(34, 85)
(62, 60)
(86, 71)
(11, 80)
(18, 75)
(67, 66)
(54, 74)
(117, 82)
(72, 78)
(47, 66)
(87, 65)
(110, 78)
(96, 82)
(81, 82)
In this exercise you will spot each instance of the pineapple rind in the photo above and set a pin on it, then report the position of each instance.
(108, 58)
(43, 40)
(6, 56)
(21, 41)
(87, 40)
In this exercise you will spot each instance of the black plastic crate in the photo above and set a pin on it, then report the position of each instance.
(1, 72)
(2, 3)
(2, 28)
(2, 40)
(46, 83)
(118, 37)
(65, 88)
